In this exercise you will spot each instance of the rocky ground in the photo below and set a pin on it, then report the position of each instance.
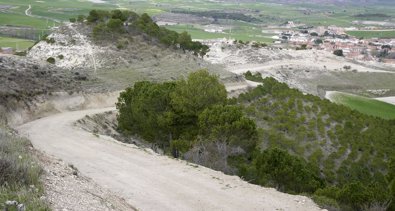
(114, 68)
(311, 71)
(83, 65)
(22, 79)
(67, 189)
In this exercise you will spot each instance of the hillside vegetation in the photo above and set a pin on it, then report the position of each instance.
(19, 174)
(272, 136)
(116, 24)
(191, 115)
(352, 151)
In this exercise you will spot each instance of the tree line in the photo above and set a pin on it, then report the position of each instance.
(121, 23)
(188, 117)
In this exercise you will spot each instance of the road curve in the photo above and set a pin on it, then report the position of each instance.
(28, 12)
(146, 180)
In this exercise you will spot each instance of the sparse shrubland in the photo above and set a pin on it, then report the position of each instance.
(117, 24)
(350, 151)
(257, 77)
(272, 136)
(19, 173)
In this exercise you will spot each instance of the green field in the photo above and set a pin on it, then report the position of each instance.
(365, 105)
(245, 33)
(372, 34)
(51, 13)
(45, 12)
(16, 44)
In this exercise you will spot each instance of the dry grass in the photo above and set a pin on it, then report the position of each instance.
(19, 172)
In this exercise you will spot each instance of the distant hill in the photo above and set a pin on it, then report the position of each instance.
(359, 2)
(342, 1)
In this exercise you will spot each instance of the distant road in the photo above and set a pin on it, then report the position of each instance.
(390, 100)
(149, 181)
(28, 12)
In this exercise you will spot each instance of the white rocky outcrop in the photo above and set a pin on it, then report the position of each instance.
(69, 48)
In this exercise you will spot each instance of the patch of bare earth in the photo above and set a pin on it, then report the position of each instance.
(67, 189)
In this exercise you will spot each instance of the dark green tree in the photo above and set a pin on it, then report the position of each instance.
(118, 14)
(81, 18)
(355, 195)
(277, 168)
(200, 91)
(115, 25)
(144, 110)
(338, 52)
(185, 40)
(93, 16)
(229, 125)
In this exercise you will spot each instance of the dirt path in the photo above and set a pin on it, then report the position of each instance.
(390, 100)
(146, 180)
(28, 12)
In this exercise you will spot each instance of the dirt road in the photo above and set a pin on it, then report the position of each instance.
(146, 180)
(390, 100)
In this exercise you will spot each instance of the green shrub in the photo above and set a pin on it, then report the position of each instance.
(122, 44)
(356, 195)
(318, 41)
(338, 52)
(81, 18)
(50, 40)
(326, 203)
(20, 53)
(257, 77)
(179, 147)
(288, 173)
(72, 20)
(19, 173)
(51, 60)
(228, 124)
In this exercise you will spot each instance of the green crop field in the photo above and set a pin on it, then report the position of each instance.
(245, 33)
(49, 13)
(45, 13)
(365, 105)
(16, 44)
(372, 34)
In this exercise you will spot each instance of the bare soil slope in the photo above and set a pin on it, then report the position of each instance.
(311, 71)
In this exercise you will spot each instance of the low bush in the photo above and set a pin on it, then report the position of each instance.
(338, 52)
(19, 173)
(51, 60)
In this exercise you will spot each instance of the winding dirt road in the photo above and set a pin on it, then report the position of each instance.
(28, 12)
(146, 180)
